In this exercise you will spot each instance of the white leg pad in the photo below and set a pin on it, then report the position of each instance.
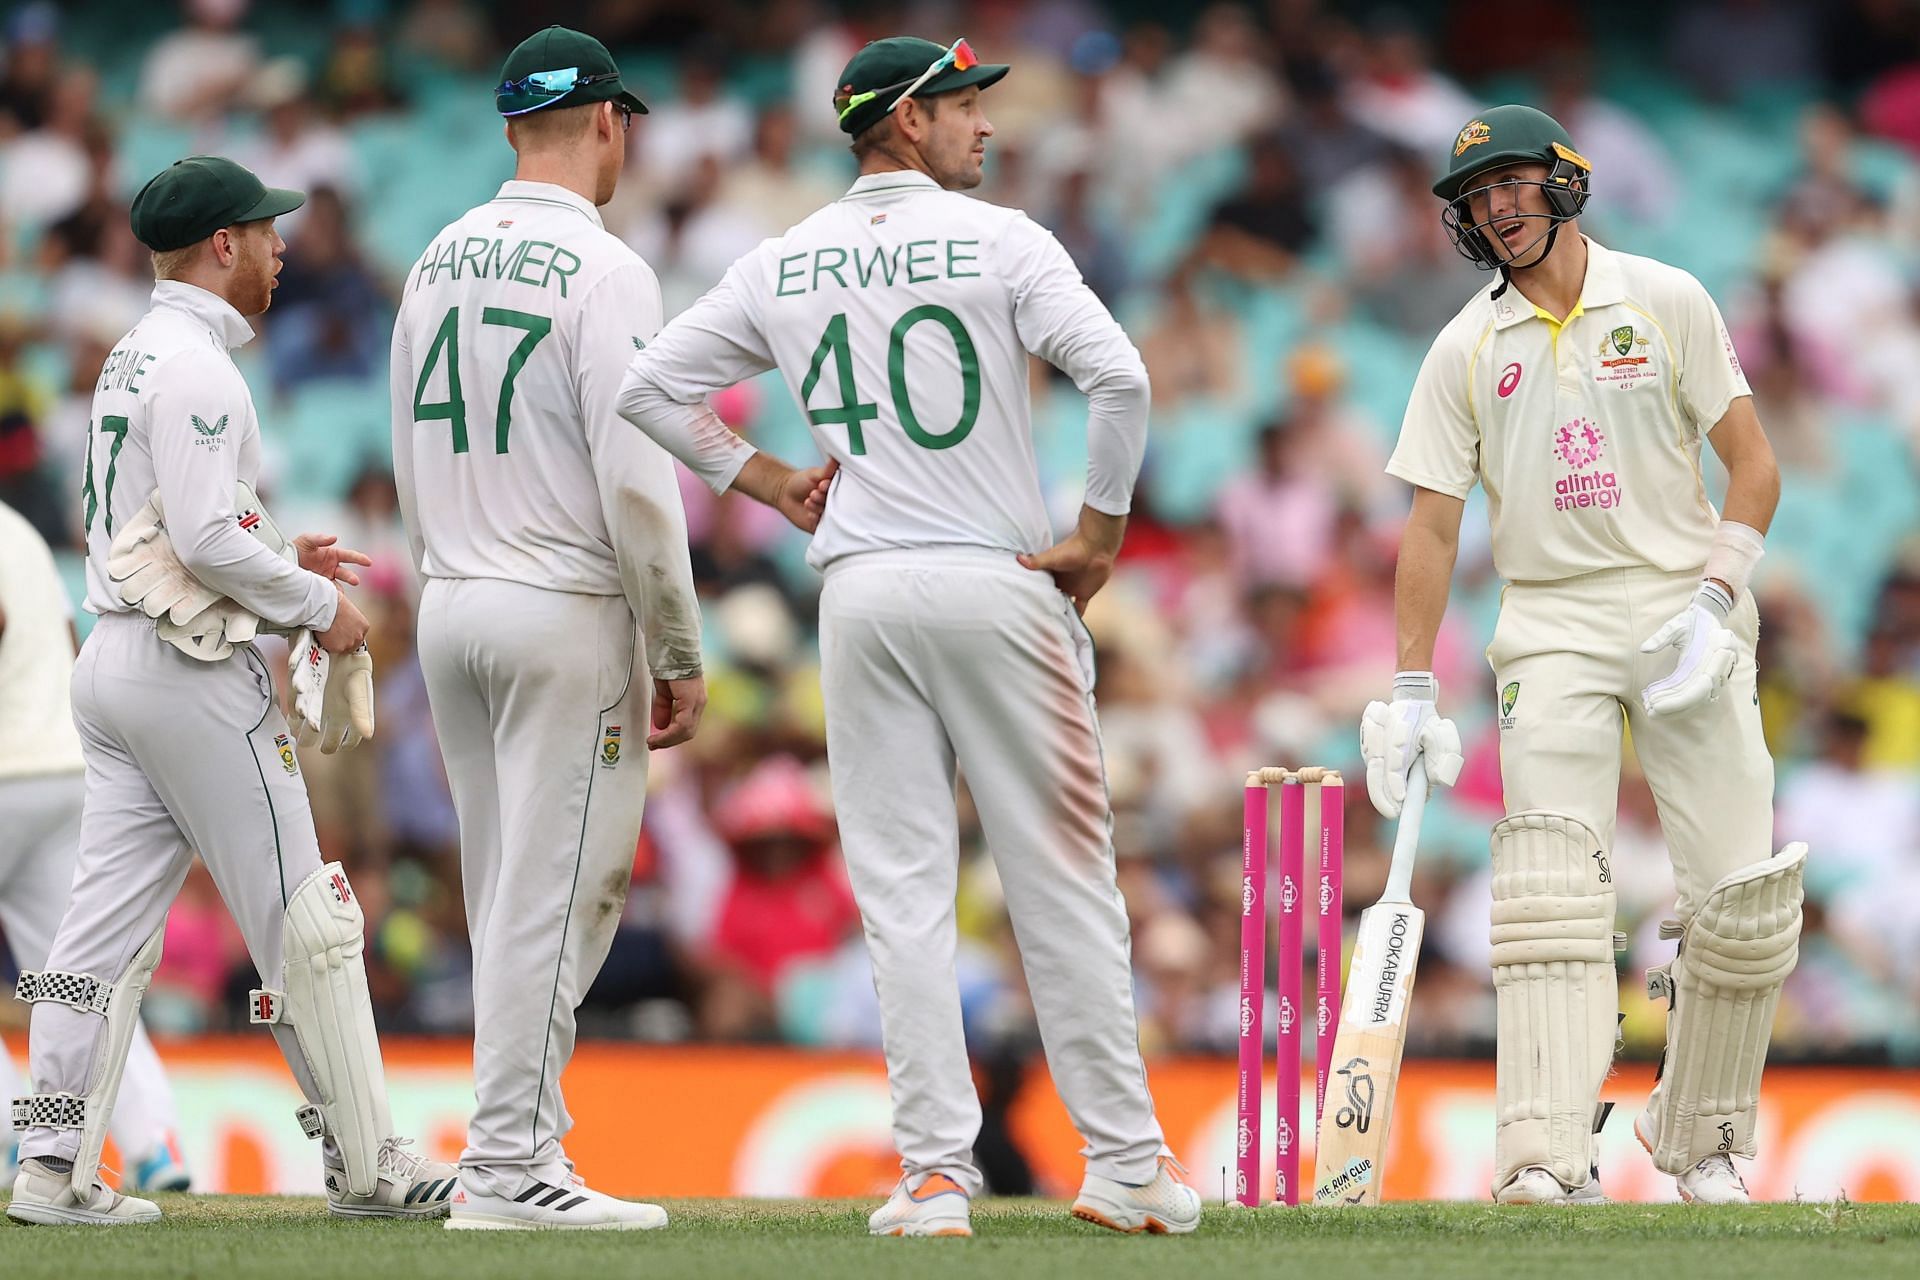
(119, 1004)
(326, 1004)
(1722, 989)
(1556, 991)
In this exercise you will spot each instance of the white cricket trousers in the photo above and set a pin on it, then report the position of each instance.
(541, 700)
(1570, 653)
(39, 838)
(932, 658)
(182, 756)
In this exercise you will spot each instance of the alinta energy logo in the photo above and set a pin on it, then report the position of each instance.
(1580, 444)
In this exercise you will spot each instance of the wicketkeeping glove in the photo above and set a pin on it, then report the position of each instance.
(1707, 654)
(147, 572)
(332, 695)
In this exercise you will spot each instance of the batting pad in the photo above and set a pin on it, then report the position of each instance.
(326, 1004)
(1722, 989)
(119, 1004)
(1556, 992)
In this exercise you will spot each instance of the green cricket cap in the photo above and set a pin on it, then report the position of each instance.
(191, 199)
(1504, 135)
(560, 67)
(885, 68)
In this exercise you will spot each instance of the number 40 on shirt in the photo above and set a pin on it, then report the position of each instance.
(854, 412)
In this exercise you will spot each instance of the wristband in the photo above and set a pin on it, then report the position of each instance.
(1737, 548)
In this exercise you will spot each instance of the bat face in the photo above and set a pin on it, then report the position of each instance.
(1348, 1168)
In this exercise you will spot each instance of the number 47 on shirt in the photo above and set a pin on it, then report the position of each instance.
(453, 409)
(853, 411)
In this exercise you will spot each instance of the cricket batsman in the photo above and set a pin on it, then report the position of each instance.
(901, 317)
(184, 744)
(1577, 389)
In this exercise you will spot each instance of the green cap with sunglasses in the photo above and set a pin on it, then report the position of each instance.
(886, 71)
(560, 67)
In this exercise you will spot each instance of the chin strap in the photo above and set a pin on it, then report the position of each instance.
(1506, 270)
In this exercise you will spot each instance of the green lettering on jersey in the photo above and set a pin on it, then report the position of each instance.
(882, 261)
(780, 289)
(473, 249)
(955, 257)
(820, 264)
(528, 258)
(916, 258)
(564, 272)
(446, 258)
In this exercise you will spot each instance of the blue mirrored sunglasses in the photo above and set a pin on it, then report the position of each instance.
(548, 87)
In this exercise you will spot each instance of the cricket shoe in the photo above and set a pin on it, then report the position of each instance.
(43, 1193)
(1713, 1180)
(542, 1206)
(408, 1186)
(161, 1169)
(1165, 1206)
(1537, 1185)
(939, 1206)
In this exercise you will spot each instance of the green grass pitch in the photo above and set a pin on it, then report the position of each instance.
(294, 1239)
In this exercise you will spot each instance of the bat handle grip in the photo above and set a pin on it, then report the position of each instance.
(1406, 840)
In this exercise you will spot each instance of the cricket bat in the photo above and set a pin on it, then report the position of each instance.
(1349, 1166)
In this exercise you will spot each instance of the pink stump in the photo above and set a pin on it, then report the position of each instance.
(1333, 815)
(1286, 1130)
(1253, 984)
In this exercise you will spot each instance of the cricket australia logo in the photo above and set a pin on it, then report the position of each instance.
(1623, 358)
(208, 436)
(1508, 697)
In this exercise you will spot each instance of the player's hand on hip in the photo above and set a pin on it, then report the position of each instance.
(1394, 735)
(1707, 654)
(803, 495)
(349, 629)
(677, 706)
(1082, 562)
(318, 554)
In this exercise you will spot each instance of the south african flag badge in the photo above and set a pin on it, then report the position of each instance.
(610, 747)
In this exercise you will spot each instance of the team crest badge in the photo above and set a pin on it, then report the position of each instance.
(285, 748)
(1622, 339)
(610, 747)
(1472, 136)
(1508, 696)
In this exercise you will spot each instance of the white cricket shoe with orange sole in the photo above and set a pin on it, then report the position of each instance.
(939, 1206)
(1165, 1206)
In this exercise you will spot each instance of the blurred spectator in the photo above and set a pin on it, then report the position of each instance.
(1278, 517)
(354, 82)
(45, 173)
(1634, 182)
(1259, 232)
(769, 187)
(328, 313)
(1863, 39)
(1725, 47)
(788, 901)
(704, 121)
(1193, 347)
(1401, 266)
(1095, 249)
(692, 239)
(298, 148)
(200, 71)
(1329, 144)
(31, 65)
(1221, 89)
(1886, 698)
(448, 32)
(1400, 96)
(26, 481)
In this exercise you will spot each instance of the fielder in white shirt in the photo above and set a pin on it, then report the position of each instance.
(42, 788)
(185, 748)
(901, 317)
(559, 633)
(1577, 390)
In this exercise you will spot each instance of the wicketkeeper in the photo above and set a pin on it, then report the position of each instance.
(185, 747)
(1577, 389)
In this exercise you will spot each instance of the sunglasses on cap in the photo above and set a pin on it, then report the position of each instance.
(959, 55)
(551, 86)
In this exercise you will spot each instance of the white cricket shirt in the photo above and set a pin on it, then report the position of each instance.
(509, 456)
(901, 317)
(36, 657)
(1586, 435)
(171, 412)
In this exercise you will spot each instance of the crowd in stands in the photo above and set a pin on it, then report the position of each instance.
(1247, 186)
